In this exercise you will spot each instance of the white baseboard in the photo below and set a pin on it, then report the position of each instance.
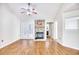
(70, 46)
(8, 43)
(67, 45)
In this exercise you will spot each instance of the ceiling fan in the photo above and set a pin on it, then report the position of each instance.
(29, 10)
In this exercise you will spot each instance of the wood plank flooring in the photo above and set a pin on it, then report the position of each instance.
(30, 47)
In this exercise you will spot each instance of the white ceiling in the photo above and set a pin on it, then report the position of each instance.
(45, 9)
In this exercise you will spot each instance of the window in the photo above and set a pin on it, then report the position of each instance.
(71, 23)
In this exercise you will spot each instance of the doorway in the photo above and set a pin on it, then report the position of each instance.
(49, 29)
(52, 30)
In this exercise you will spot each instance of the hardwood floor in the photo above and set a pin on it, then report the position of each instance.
(30, 47)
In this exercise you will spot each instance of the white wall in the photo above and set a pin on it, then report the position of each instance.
(59, 19)
(50, 29)
(27, 29)
(71, 36)
(9, 26)
(55, 32)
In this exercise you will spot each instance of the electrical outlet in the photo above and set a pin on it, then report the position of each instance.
(2, 40)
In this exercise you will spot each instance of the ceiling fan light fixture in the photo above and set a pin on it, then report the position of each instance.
(29, 10)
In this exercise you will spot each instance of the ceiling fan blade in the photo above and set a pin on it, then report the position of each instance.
(23, 8)
(23, 12)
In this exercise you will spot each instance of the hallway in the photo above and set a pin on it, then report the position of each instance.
(30, 47)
